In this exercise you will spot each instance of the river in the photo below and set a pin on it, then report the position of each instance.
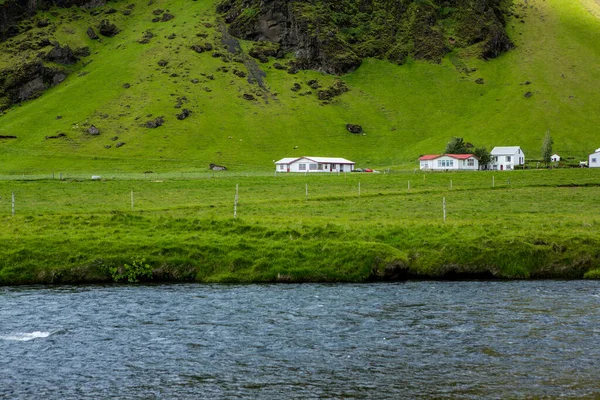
(407, 340)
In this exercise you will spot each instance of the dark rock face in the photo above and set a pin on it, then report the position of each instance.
(27, 81)
(334, 36)
(247, 96)
(353, 128)
(61, 55)
(107, 28)
(216, 167)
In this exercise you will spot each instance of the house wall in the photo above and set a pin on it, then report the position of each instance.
(297, 166)
(502, 163)
(454, 165)
(591, 162)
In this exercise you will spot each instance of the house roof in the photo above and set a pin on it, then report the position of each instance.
(506, 150)
(457, 156)
(319, 160)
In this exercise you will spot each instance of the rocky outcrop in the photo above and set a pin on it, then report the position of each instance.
(61, 55)
(107, 28)
(14, 11)
(334, 36)
(27, 81)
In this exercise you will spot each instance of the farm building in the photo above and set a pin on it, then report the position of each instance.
(443, 162)
(594, 159)
(555, 158)
(314, 164)
(506, 158)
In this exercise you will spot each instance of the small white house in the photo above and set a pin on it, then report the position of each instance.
(555, 158)
(594, 159)
(506, 158)
(443, 162)
(314, 164)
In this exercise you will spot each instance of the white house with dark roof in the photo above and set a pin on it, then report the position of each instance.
(314, 164)
(446, 162)
(506, 158)
(594, 159)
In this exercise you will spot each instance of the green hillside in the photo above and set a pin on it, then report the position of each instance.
(405, 110)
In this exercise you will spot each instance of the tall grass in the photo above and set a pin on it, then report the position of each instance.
(542, 224)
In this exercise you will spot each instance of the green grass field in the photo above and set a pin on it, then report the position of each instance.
(529, 224)
(405, 110)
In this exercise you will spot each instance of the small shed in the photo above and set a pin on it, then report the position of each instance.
(555, 158)
(311, 164)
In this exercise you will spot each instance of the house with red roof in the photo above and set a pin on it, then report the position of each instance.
(449, 162)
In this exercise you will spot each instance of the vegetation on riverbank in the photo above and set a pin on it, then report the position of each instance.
(530, 224)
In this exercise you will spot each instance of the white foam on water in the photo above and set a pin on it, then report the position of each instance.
(25, 336)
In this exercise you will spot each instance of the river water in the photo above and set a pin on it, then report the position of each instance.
(405, 340)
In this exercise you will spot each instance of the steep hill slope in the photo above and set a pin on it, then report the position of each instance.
(245, 113)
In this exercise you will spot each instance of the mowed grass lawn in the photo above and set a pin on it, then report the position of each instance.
(519, 224)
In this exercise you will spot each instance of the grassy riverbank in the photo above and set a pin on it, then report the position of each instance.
(521, 224)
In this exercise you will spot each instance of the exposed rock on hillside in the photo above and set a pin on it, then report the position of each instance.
(27, 81)
(335, 35)
(61, 55)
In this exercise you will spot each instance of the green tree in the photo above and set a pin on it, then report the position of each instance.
(547, 147)
(457, 145)
(483, 155)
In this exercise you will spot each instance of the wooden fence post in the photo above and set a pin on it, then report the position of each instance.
(235, 202)
(444, 208)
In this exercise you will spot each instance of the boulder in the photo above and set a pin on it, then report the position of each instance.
(107, 28)
(184, 114)
(248, 96)
(166, 17)
(201, 48)
(353, 128)
(92, 130)
(146, 37)
(61, 55)
(216, 167)
(155, 123)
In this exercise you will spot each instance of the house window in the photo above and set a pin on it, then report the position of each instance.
(312, 167)
(507, 158)
(471, 162)
(302, 167)
(281, 167)
(593, 160)
(451, 163)
(320, 167)
(495, 159)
